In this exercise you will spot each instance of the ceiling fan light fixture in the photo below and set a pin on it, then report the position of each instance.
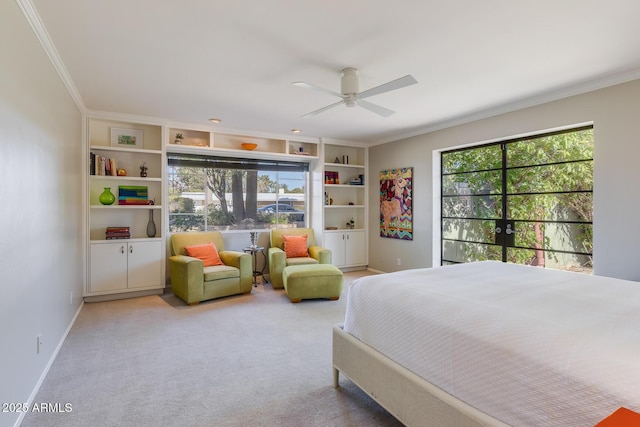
(350, 83)
(215, 120)
(296, 130)
(351, 100)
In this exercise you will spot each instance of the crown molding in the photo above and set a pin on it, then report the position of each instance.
(42, 35)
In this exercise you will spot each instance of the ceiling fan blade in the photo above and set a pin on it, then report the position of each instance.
(328, 107)
(384, 112)
(407, 80)
(318, 88)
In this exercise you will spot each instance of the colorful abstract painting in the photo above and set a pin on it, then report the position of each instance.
(396, 207)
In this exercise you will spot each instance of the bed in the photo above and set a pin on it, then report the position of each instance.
(492, 344)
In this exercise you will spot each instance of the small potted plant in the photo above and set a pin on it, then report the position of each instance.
(143, 169)
(179, 138)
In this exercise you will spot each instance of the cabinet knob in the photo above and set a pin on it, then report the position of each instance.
(130, 249)
(121, 249)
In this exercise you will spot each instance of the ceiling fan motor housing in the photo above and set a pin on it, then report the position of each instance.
(350, 85)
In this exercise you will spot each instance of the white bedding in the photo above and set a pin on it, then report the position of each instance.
(528, 346)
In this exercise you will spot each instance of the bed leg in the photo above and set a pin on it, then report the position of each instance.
(336, 375)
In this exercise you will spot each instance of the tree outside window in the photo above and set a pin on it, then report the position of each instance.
(226, 199)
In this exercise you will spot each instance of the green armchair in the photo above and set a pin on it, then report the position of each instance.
(192, 282)
(278, 259)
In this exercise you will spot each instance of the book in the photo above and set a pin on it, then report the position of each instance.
(133, 195)
(331, 177)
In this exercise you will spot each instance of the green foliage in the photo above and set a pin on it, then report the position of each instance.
(273, 218)
(218, 217)
(184, 205)
(473, 180)
(266, 184)
(243, 185)
(183, 217)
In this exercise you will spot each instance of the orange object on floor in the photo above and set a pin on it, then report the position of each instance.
(622, 417)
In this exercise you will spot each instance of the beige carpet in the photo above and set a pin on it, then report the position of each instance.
(254, 360)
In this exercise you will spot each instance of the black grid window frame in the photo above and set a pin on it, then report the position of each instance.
(504, 194)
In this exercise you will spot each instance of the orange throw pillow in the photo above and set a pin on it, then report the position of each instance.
(207, 253)
(295, 246)
(622, 417)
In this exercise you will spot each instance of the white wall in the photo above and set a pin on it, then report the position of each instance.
(615, 113)
(40, 209)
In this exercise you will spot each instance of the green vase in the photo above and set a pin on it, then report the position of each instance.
(107, 197)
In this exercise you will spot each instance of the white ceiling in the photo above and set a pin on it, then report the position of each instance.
(191, 60)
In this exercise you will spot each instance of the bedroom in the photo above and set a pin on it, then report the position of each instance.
(41, 129)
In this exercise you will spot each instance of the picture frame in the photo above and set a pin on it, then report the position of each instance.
(396, 203)
(126, 138)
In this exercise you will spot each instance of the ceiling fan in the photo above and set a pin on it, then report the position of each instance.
(351, 95)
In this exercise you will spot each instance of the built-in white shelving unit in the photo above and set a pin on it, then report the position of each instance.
(345, 204)
(134, 264)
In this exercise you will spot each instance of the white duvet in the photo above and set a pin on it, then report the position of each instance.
(526, 345)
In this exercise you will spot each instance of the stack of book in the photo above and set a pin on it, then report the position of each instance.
(132, 195)
(331, 177)
(117, 233)
(100, 165)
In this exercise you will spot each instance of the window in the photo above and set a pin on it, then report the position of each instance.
(525, 201)
(209, 193)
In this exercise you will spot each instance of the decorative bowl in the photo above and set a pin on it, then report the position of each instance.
(248, 146)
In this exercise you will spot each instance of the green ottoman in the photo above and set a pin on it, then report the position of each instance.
(309, 281)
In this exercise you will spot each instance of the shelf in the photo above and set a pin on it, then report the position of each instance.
(342, 230)
(126, 206)
(206, 142)
(345, 185)
(341, 165)
(124, 178)
(233, 152)
(191, 138)
(100, 129)
(342, 206)
(131, 239)
(124, 150)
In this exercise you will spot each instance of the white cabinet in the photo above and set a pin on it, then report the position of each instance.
(134, 263)
(144, 264)
(125, 266)
(348, 248)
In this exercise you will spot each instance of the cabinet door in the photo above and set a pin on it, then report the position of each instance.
(336, 243)
(108, 267)
(145, 264)
(355, 251)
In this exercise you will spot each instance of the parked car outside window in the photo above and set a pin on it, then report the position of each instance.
(294, 214)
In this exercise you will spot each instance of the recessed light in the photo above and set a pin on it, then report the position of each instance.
(296, 130)
(214, 120)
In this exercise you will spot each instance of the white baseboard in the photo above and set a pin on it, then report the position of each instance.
(36, 389)
(373, 270)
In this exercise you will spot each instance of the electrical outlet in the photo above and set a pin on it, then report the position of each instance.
(38, 343)
(399, 261)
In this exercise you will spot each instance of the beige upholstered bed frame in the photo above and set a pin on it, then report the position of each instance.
(408, 397)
